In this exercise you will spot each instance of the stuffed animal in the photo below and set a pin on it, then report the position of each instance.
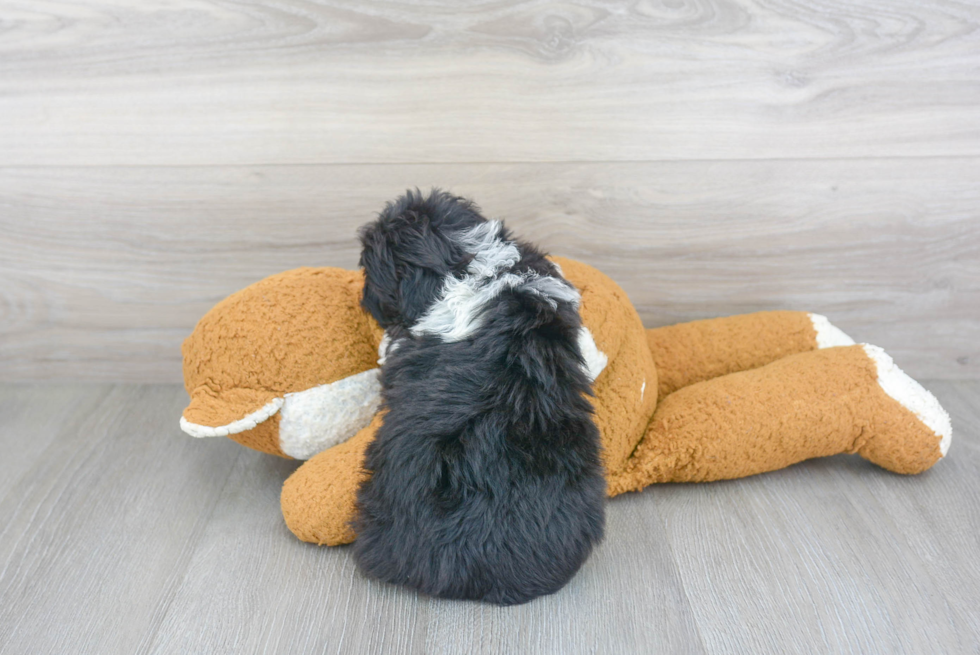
(287, 366)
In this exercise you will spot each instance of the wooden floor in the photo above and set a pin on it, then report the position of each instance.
(118, 534)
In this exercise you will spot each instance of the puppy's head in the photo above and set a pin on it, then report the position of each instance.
(408, 252)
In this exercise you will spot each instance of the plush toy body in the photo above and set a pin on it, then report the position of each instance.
(288, 366)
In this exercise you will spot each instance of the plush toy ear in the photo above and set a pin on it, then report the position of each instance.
(298, 424)
(286, 366)
(246, 416)
(227, 412)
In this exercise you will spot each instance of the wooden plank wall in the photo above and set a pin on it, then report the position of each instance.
(713, 156)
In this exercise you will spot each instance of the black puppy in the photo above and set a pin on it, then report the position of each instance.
(486, 481)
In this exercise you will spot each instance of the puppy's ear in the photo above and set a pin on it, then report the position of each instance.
(418, 290)
(435, 250)
(382, 292)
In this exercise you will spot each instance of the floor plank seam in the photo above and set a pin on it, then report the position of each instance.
(677, 573)
(174, 584)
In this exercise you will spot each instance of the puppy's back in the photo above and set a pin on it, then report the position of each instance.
(486, 481)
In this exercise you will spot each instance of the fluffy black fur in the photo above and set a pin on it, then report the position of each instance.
(486, 481)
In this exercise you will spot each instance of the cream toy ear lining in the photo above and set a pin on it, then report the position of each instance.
(243, 424)
(312, 420)
(324, 416)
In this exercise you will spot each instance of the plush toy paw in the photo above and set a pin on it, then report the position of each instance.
(318, 498)
(911, 431)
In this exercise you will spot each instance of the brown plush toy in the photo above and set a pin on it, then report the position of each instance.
(288, 366)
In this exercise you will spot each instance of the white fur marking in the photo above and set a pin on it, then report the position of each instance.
(911, 395)
(828, 334)
(552, 289)
(643, 388)
(385, 347)
(458, 312)
(324, 416)
(491, 254)
(595, 359)
(241, 425)
(456, 315)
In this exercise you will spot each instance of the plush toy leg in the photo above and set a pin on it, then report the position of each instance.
(318, 498)
(813, 404)
(701, 350)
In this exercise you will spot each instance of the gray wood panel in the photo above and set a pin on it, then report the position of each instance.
(97, 533)
(293, 597)
(106, 270)
(32, 417)
(207, 82)
(124, 536)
